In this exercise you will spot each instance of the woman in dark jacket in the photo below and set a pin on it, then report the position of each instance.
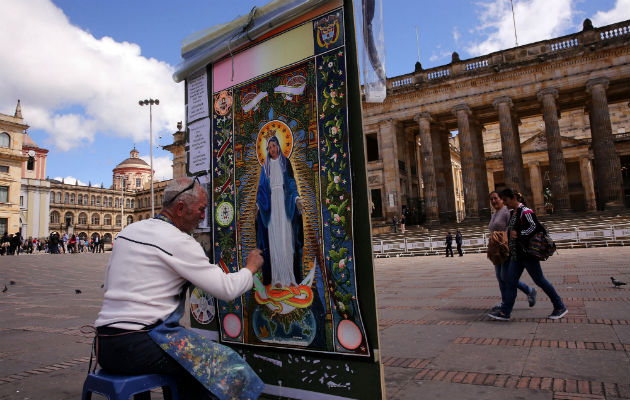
(523, 224)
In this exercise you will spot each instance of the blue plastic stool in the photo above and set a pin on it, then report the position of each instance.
(122, 387)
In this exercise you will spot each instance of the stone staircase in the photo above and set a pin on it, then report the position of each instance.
(601, 229)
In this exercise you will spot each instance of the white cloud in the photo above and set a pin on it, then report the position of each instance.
(619, 13)
(163, 167)
(70, 180)
(535, 20)
(73, 85)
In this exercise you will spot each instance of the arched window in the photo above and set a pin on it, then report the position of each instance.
(68, 218)
(110, 202)
(116, 203)
(85, 199)
(52, 197)
(98, 200)
(107, 219)
(129, 219)
(82, 220)
(96, 219)
(65, 198)
(118, 219)
(93, 200)
(30, 163)
(133, 203)
(128, 203)
(5, 140)
(139, 217)
(54, 217)
(58, 197)
(79, 199)
(71, 198)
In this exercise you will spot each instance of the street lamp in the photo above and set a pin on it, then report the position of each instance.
(150, 103)
(122, 201)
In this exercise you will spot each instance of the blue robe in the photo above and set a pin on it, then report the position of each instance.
(263, 200)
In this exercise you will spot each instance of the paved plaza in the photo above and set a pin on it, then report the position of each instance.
(436, 340)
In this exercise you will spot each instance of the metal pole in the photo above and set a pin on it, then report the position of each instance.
(122, 202)
(151, 154)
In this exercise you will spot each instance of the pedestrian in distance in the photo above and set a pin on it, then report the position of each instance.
(523, 224)
(458, 241)
(498, 249)
(154, 259)
(403, 220)
(449, 244)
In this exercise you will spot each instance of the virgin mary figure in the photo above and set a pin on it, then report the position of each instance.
(279, 230)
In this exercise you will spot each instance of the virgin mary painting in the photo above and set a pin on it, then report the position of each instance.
(279, 229)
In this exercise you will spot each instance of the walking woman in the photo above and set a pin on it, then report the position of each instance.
(523, 224)
(498, 251)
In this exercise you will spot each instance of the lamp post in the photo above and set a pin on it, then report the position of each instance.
(150, 103)
(122, 201)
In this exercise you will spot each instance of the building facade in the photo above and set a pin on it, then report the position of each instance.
(35, 190)
(12, 128)
(549, 119)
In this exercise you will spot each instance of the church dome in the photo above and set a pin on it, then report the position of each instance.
(133, 161)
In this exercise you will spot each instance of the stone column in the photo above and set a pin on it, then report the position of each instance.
(447, 165)
(535, 178)
(510, 145)
(419, 167)
(606, 160)
(557, 166)
(471, 200)
(388, 150)
(586, 173)
(490, 178)
(480, 170)
(408, 151)
(440, 179)
(428, 168)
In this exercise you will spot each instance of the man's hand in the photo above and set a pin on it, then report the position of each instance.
(255, 261)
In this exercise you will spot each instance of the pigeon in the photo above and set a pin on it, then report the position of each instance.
(102, 286)
(77, 291)
(5, 289)
(12, 283)
(616, 282)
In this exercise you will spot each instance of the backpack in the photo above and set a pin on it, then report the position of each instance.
(540, 245)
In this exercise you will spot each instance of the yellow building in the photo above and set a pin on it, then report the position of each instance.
(12, 130)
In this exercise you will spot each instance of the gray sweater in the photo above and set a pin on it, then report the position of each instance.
(499, 220)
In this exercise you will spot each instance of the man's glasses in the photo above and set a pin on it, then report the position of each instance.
(192, 184)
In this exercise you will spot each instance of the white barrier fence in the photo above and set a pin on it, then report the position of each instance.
(433, 245)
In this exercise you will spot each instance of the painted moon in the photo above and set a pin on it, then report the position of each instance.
(281, 131)
(232, 325)
(349, 334)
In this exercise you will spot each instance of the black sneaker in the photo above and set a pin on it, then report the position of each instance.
(559, 313)
(531, 297)
(496, 308)
(500, 315)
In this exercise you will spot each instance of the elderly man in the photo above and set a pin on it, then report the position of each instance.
(138, 327)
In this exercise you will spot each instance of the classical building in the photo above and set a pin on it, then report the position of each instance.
(549, 119)
(35, 190)
(12, 131)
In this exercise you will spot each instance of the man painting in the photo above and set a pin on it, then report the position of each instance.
(279, 230)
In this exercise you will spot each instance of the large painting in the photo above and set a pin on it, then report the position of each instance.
(281, 183)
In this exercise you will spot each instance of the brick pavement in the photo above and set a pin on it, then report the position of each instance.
(436, 341)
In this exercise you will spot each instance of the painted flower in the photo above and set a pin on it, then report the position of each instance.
(333, 93)
(341, 197)
(334, 157)
(342, 263)
(340, 53)
(337, 178)
(336, 217)
(327, 201)
(334, 130)
(330, 64)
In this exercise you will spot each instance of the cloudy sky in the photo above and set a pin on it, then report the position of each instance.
(80, 67)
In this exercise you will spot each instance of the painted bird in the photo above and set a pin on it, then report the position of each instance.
(5, 289)
(77, 291)
(616, 282)
(11, 282)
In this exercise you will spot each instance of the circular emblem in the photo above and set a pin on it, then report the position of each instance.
(224, 213)
(223, 103)
(281, 131)
(202, 306)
